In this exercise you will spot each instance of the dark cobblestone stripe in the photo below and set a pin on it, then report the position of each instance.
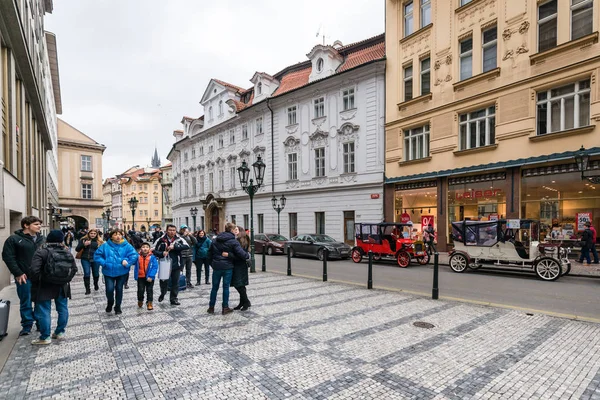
(87, 381)
(18, 369)
(330, 387)
(140, 385)
(308, 308)
(592, 391)
(404, 386)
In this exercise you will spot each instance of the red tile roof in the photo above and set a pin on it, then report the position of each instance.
(363, 56)
(293, 80)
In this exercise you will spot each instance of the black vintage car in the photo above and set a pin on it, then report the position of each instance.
(313, 245)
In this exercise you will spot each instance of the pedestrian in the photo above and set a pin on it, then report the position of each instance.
(88, 246)
(17, 254)
(201, 256)
(52, 268)
(144, 273)
(429, 239)
(239, 280)
(593, 248)
(223, 265)
(158, 233)
(586, 244)
(170, 245)
(69, 238)
(187, 254)
(116, 258)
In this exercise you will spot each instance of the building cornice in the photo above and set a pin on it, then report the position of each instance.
(81, 145)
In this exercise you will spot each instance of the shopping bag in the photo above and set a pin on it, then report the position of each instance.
(164, 268)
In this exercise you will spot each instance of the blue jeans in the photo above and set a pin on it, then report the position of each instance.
(595, 253)
(90, 265)
(43, 315)
(226, 274)
(115, 284)
(24, 293)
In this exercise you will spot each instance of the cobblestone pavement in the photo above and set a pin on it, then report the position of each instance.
(305, 339)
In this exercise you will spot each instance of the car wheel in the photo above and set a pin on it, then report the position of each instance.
(403, 259)
(376, 256)
(270, 250)
(567, 269)
(547, 269)
(320, 254)
(423, 260)
(291, 251)
(458, 262)
(356, 256)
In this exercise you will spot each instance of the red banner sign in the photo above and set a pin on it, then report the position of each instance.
(405, 218)
(476, 194)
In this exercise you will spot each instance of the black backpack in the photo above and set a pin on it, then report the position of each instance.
(60, 267)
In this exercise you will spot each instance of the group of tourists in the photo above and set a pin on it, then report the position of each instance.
(44, 267)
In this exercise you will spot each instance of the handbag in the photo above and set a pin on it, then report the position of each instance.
(79, 254)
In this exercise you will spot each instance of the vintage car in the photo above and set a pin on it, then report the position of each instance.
(506, 244)
(314, 245)
(388, 241)
(272, 242)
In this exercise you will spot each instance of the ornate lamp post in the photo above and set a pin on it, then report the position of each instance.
(148, 224)
(251, 188)
(278, 207)
(103, 217)
(194, 212)
(107, 213)
(582, 158)
(133, 202)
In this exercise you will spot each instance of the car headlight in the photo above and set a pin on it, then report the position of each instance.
(277, 244)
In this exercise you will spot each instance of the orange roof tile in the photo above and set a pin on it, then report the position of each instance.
(293, 80)
(363, 56)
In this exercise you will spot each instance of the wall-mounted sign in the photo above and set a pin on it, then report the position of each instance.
(375, 196)
(405, 218)
(477, 194)
(513, 224)
(582, 218)
(426, 220)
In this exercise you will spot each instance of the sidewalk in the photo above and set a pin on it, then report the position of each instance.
(305, 339)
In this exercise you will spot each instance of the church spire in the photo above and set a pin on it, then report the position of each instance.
(155, 159)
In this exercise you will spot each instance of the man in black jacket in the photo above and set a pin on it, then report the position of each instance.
(17, 253)
(170, 245)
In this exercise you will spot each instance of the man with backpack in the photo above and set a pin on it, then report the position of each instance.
(52, 269)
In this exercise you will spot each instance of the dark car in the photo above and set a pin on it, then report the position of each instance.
(314, 245)
(272, 242)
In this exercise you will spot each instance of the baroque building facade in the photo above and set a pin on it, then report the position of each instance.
(317, 125)
(143, 184)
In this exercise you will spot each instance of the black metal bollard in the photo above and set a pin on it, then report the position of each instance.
(264, 260)
(325, 256)
(289, 262)
(370, 277)
(435, 291)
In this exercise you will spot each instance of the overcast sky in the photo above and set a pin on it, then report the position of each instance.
(130, 69)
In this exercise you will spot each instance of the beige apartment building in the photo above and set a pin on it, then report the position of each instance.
(487, 104)
(80, 178)
(167, 193)
(145, 185)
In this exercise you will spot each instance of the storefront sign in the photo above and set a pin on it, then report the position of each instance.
(477, 194)
(582, 218)
(513, 224)
(493, 217)
(427, 220)
(405, 218)
(375, 196)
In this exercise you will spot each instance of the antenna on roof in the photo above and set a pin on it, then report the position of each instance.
(321, 31)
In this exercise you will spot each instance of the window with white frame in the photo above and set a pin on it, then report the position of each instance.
(232, 177)
(291, 115)
(86, 191)
(259, 126)
(416, 143)
(201, 184)
(187, 187)
(464, 2)
(320, 162)
(220, 107)
(320, 64)
(221, 141)
(582, 14)
(348, 157)
(201, 150)
(490, 49)
(210, 112)
(319, 105)
(425, 12)
(156, 199)
(466, 58)
(547, 25)
(477, 128)
(425, 76)
(193, 153)
(86, 163)
(259, 88)
(156, 213)
(408, 82)
(211, 148)
(194, 186)
(348, 98)
(293, 166)
(408, 18)
(245, 132)
(221, 180)
(231, 136)
(185, 156)
(562, 108)
(211, 182)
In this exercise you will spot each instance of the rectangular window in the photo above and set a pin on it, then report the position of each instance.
(193, 153)
(156, 185)
(185, 156)
(348, 150)
(259, 126)
(261, 222)
(477, 128)
(146, 186)
(221, 141)
(232, 177)
(582, 14)
(320, 223)
(416, 143)
(201, 150)
(319, 107)
(408, 82)
(466, 58)
(425, 76)
(464, 2)
(187, 187)
(86, 191)
(201, 184)
(425, 12)
(233, 218)
(244, 132)
(408, 18)
(562, 108)
(211, 148)
(156, 213)
(156, 198)
(293, 222)
(547, 25)
(320, 162)
(211, 182)
(231, 136)
(133, 188)
(293, 166)
(86, 163)
(193, 186)
(490, 49)
(221, 179)
(348, 96)
(246, 221)
(291, 114)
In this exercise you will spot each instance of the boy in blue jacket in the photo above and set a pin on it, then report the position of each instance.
(144, 273)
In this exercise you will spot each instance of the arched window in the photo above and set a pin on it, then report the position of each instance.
(220, 107)
(210, 113)
(259, 88)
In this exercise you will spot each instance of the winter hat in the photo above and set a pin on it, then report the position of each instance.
(55, 236)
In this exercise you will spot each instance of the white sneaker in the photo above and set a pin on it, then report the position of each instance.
(58, 336)
(41, 341)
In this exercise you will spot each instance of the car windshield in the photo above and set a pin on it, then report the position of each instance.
(277, 238)
(323, 238)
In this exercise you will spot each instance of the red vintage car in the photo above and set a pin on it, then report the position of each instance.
(388, 241)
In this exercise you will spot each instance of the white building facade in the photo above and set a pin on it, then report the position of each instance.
(318, 126)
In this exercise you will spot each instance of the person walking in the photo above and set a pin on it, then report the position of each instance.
(594, 236)
(187, 254)
(116, 258)
(17, 254)
(88, 245)
(239, 280)
(170, 245)
(201, 256)
(586, 244)
(69, 238)
(221, 250)
(52, 268)
(429, 239)
(144, 273)
(158, 233)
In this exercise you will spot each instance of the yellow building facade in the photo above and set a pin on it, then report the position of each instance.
(145, 185)
(487, 104)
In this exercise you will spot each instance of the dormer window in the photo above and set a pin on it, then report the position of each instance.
(210, 113)
(320, 64)
(259, 88)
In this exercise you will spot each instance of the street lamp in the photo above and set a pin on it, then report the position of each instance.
(194, 212)
(133, 202)
(107, 212)
(103, 216)
(251, 188)
(148, 223)
(278, 207)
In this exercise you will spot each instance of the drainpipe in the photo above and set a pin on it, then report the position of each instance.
(272, 149)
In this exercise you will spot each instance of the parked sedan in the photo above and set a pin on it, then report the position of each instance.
(272, 242)
(313, 245)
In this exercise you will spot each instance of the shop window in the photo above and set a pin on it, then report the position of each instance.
(547, 25)
(562, 108)
(466, 58)
(416, 143)
(490, 49)
(477, 128)
(582, 14)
